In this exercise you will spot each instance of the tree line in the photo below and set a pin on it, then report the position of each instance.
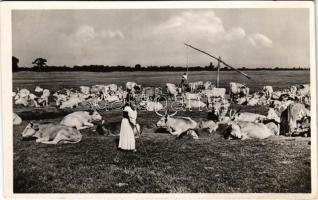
(40, 65)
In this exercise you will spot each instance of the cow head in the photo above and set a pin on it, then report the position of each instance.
(30, 130)
(164, 119)
(95, 115)
(273, 115)
(235, 131)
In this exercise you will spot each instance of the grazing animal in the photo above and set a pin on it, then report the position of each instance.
(133, 87)
(175, 126)
(52, 133)
(151, 105)
(273, 127)
(38, 89)
(71, 103)
(194, 104)
(81, 119)
(238, 90)
(208, 85)
(268, 90)
(191, 96)
(249, 117)
(195, 86)
(172, 90)
(16, 119)
(210, 125)
(59, 98)
(45, 97)
(245, 130)
(85, 89)
(214, 92)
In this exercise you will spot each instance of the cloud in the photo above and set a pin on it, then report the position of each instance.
(87, 33)
(196, 25)
(257, 40)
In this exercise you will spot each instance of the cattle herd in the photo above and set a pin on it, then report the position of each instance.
(288, 113)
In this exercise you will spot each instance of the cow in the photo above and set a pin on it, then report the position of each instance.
(195, 86)
(71, 103)
(85, 89)
(274, 127)
(193, 104)
(210, 125)
(151, 105)
(208, 85)
(268, 90)
(294, 113)
(59, 98)
(249, 117)
(246, 130)
(16, 119)
(214, 92)
(191, 96)
(97, 89)
(172, 90)
(52, 133)
(175, 126)
(44, 97)
(112, 88)
(81, 119)
(148, 93)
(238, 90)
(132, 87)
(38, 89)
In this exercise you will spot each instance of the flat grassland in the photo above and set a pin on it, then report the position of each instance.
(162, 163)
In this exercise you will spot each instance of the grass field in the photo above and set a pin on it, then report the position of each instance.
(162, 163)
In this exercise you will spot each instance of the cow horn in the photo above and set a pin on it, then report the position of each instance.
(173, 114)
(158, 114)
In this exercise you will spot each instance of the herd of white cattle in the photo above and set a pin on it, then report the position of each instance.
(288, 113)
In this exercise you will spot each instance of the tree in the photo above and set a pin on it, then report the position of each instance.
(39, 63)
(211, 66)
(137, 67)
(15, 62)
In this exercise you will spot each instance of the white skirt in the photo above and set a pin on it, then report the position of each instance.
(126, 136)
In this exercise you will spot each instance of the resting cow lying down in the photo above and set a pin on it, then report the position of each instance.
(81, 119)
(245, 130)
(52, 133)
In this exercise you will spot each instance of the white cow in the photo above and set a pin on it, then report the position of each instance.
(238, 89)
(16, 119)
(52, 133)
(45, 97)
(151, 105)
(81, 119)
(268, 90)
(245, 130)
(172, 90)
(175, 125)
(85, 89)
(210, 125)
(194, 104)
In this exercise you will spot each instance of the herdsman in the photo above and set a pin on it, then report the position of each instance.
(184, 80)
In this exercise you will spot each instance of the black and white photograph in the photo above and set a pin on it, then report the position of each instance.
(161, 98)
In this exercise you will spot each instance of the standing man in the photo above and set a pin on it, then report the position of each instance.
(184, 80)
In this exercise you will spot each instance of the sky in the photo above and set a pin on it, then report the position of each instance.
(242, 37)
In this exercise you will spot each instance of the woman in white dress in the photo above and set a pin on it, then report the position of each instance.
(128, 127)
